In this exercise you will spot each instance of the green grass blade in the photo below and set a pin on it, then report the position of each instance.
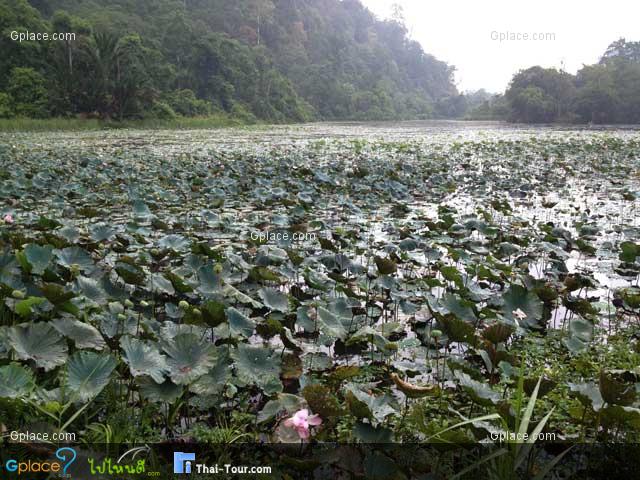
(532, 438)
(526, 417)
(466, 422)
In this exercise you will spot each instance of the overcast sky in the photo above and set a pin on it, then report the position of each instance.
(460, 33)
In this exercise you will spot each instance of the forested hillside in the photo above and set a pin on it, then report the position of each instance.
(607, 92)
(275, 60)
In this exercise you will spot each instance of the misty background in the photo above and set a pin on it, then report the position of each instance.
(280, 61)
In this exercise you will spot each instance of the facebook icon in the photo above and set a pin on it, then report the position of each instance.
(182, 462)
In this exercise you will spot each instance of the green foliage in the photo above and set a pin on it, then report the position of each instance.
(539, 95)
(252, 59)
(88, 374)
(6, 105)
(162, 111)
(608, 92)
(19, 16)
(127, 292)
(185, 102)
(216, 120)
(28, 93)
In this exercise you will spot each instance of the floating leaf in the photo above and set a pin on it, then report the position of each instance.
(580, 335)
(517, 298)
(15, 381)
(235, 294)
(144, 358)
(101, 232)
(331, 324)
(459, 307)
(209, 282)
(73, 257)
(38, 257)
(479, 392)
(159, 284)
(274, 299)
(141, 209)
(88, 373)
(215, 381)
(83, 334)
(188, 358)
(39, 342)
(174, 242)
(91, 289)
(239, 323)
(166, 392)
(259, 366)
(588, 394)
(264, 274)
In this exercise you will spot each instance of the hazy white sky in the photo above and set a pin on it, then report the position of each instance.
(460, 33)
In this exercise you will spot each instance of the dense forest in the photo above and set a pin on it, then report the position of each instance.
(274, 60)
(607, 92)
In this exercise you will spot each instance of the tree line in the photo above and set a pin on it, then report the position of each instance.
(274, 60)
(607, 92)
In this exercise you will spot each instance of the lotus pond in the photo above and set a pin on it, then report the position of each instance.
(438, 274)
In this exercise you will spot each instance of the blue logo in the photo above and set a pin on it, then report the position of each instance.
(183, 462)
(67, 455)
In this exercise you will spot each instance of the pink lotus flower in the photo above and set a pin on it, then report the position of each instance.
(8, 218)
(301, 421)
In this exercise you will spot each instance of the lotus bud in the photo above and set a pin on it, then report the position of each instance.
(116, 307)
(183, 304)
(197, 312)
(17, 294)
(53, 407)
(128, 303)
(436, 333)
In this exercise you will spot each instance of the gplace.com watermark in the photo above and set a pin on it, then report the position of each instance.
(522, 437)
(282, 236)
(522, 36)
(26, 36)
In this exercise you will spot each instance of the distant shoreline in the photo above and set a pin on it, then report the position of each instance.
(83, 124)
(223, 121)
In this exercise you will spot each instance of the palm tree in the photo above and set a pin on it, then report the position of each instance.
(104, 56)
